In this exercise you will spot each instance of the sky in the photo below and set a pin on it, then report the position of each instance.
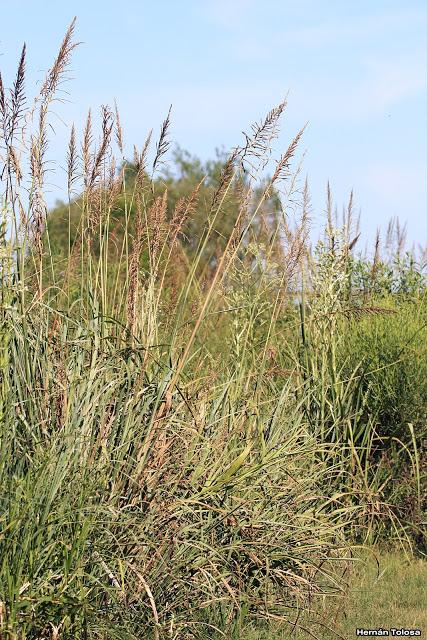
(356, 72)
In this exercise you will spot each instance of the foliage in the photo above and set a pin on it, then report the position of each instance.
(182, 453)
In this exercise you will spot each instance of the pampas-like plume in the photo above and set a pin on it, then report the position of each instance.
(329, 219)
(183, 209)
(353, 242)
(72, 159)
(389, 234)
(156, 220)
(107, 128)
(11, 113)
(376, 260)
(282, 168)
(119, 131)
(348, 218)
(163, 143)
(39, 142)
(227, 174)
(114, 183)
(395, 236)
(400, 236)
(15, 164)
(140, 160)
(86, 149)
(2, 99)
(18, 94)
(37, 165)
(56, 74)
(258, 145)
(306, 211)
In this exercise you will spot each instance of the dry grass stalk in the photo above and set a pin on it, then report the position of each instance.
(149, 593)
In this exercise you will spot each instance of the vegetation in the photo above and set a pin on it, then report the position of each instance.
(200, 416)
(384, 590)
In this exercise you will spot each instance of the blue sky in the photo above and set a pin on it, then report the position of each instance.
(356, 71)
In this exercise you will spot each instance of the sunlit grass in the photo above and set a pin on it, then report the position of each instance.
(386, 590)
(190, 443)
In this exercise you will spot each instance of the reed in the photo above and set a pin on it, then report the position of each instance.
(182, 453)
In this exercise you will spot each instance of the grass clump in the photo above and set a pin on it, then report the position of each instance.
(186, 446)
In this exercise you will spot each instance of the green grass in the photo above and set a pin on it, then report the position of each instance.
(392, 593)
(386, 589)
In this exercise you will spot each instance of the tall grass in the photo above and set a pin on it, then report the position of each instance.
(176, 461)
